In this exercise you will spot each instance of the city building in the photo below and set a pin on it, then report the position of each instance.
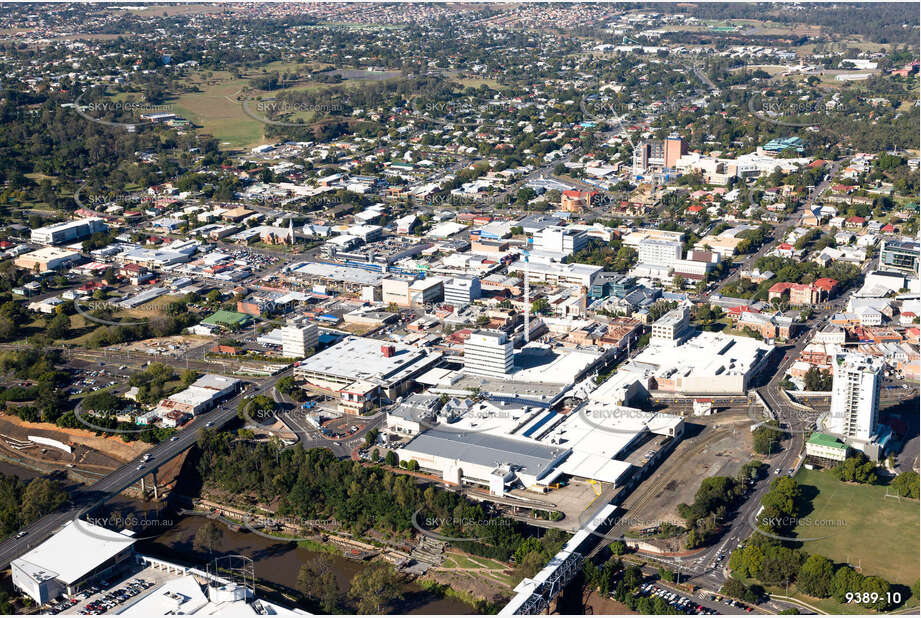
(557, 273)
(297, 340)
(704, 363)
(901, 255)
(575, 201)
(461, 291)
(409, 293)
(560, 240)
(825, 450)
(68, 231)
(361, 370)
(488, 353)
(491, 461)
(672, 326)
(198, 593)
(74, 558)
(658, 252)
(47, 258)
(202, 395)
(658, 154)
(784, 143)
(855, 396)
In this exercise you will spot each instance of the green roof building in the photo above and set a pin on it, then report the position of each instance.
(227, 318)
(825, 448)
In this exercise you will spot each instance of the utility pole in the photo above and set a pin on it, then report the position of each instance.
(527, 297)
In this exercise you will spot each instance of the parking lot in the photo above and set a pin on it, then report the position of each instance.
(119, 592)
(101, 600)
(701, 604)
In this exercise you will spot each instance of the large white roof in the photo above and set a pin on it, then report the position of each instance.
(76, 550)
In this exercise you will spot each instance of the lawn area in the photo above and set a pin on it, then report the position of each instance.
(489, 563)
(476, 82)
(880, 534)
(462, 562)
(215, 109)
(828, 605)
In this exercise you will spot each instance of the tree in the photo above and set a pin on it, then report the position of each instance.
(374, 588)
(57, 326)
(316, 580)
(845, 580)
(906, 484)
(678, 281)
(42, 496)
(766, 439)
(816, 380)
(856, 469)
(877, 588)
(618, 548)
(371, 437)
(746, 561)
(815, 576)
(540, 306)
(207, 536)
(733, 588)
(391, 459)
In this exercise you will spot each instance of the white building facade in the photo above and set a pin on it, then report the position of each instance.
(855, 396)
(488, 353)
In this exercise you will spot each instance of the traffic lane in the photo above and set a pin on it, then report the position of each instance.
(341, 447)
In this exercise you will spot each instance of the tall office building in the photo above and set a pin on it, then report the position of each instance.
(855, 396)
(560, 240)
(901, 255)
(675, 147)
(461, 291)
(298, 339)
(658, 154)
(488, 353)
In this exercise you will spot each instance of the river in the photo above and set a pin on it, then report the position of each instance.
(279, 562)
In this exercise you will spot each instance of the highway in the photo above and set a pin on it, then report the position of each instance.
(84, 498)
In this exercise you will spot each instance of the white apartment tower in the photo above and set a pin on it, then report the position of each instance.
(298, 339)
(658, 252)
(488, 353)
(855, 396)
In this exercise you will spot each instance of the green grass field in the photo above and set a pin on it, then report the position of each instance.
(879, 534)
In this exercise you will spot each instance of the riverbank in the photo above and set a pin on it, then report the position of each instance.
(277, 564)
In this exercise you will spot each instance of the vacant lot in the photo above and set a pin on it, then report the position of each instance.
(880, 534)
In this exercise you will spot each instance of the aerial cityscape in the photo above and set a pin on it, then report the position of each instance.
(460, 308)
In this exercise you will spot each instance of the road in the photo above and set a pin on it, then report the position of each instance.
(127, 475)
(781, 229)
(310, 437)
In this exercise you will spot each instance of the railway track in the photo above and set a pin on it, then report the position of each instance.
(659, 481)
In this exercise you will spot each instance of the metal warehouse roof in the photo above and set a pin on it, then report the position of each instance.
(76, 550)
(488, 450)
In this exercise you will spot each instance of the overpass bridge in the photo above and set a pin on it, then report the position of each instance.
(534, 594)
(86, 498)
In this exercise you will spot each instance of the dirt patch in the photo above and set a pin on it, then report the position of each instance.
(173, 346)
(604, 606)
(720, 448)
(100, 450)
(472, 584)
